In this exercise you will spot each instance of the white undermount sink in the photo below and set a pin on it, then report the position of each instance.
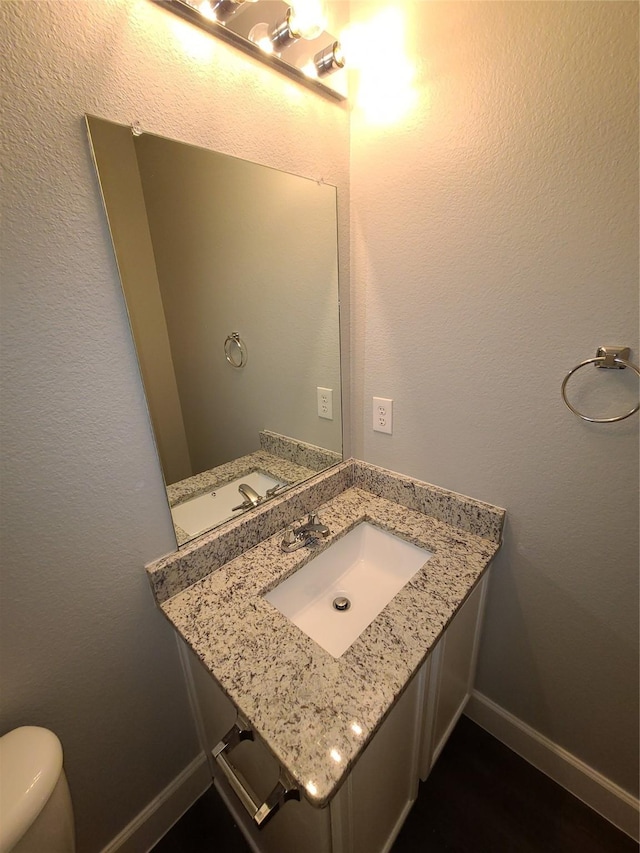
(361, 572)
(215, 506)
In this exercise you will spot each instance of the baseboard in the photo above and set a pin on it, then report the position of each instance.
(395, 832)
(599, 793)
(445, 737)
(156, 819)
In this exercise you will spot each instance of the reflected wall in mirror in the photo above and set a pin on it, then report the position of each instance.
(230, 275)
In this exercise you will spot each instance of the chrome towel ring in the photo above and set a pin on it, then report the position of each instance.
(235, 351)
(616, 358)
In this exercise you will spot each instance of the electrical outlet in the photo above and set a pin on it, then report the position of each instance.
(382, 415)
(325, 403)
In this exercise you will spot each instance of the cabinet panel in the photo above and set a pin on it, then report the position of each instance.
(297, 828)
(457, 663)
(368, 811)
(453, 664)
(384, 782)
(214, 712)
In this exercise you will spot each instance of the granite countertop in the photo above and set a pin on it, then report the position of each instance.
(281, 457)
(314, 712)
(261, 460)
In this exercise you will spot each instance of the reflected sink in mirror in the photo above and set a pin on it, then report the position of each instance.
(215, 507)
(335, 596)
(230, 275)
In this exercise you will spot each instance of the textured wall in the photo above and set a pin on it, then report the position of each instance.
(495, 245)
(84, 651)
(240, 247)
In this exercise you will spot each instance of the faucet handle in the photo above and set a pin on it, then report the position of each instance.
(290, 537)
(315, 527)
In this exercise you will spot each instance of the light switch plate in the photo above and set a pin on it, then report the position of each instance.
(382, 415)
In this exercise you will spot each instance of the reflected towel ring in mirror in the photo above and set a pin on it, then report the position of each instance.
(235, 351)
(606, 357)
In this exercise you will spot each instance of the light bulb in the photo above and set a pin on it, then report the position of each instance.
(306, 20)
(309, 70)
(206, 10)
(261, 36)
(220, 10)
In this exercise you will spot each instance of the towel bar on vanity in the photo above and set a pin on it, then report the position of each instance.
(284, 790)
(610, 357)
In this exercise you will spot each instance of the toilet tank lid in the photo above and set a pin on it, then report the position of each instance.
(30, 766)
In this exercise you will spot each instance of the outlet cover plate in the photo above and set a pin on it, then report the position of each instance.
(382, 415)
(325, 403)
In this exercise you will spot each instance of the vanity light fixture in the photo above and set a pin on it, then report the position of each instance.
(219, 10)
(329, 59)
(276, 33)
(295, 26)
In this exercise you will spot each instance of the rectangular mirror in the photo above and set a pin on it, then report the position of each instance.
(230, 276)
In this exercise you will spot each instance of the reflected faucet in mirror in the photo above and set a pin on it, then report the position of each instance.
(205, 243)
(251, 497)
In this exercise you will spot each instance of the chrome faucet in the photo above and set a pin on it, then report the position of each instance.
(275, 490)
(305, 534)
(251, 497)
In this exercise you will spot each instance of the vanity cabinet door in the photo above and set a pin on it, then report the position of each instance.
(453, 664)
(383, 785)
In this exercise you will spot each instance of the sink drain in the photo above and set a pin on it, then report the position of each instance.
(341, 603)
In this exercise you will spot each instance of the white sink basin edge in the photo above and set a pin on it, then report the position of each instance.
(216, 505)
(368, 566)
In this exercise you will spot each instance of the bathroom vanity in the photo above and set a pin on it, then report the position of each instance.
(345, 737)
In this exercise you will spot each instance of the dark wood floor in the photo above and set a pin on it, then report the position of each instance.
(480, 798)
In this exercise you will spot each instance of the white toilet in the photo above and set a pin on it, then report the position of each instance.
(36, 815)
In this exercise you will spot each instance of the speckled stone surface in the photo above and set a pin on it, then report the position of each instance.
(307, 455)
(261, 460)
(266, 463)
(208, 552)
(307, 706)
(458, 510)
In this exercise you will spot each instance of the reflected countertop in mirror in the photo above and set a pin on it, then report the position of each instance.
(230, 275)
